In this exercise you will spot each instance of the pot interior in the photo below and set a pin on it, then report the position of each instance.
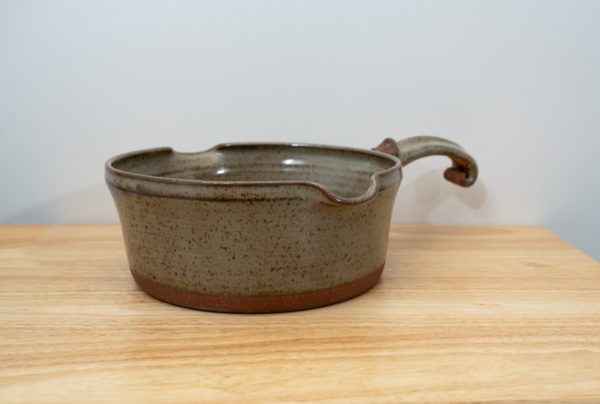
(345, 172)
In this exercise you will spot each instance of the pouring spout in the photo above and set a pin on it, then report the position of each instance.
(340, 200)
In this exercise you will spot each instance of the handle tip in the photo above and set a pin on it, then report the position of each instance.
(460, 177)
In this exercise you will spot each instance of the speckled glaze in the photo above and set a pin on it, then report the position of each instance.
(256, 227)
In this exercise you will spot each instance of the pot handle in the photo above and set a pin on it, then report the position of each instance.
(464, 168)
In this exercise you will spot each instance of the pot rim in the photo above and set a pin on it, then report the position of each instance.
(368, 194)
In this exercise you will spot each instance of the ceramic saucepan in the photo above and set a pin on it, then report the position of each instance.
(262, 227)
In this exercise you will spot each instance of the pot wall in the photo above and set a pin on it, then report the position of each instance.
(253, 247)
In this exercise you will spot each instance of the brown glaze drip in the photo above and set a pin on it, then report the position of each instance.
(258, 304)
(388, 146)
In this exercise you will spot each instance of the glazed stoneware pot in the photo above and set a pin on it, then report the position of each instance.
(260, 227)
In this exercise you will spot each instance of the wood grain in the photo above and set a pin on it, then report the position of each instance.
(461, 314)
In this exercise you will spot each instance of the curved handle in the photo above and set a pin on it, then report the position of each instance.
(464, 168)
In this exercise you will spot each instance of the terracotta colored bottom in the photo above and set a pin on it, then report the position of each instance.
(258, 304)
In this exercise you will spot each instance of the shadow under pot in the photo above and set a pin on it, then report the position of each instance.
(263, 227)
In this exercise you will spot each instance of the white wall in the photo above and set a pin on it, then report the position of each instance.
(517, 83)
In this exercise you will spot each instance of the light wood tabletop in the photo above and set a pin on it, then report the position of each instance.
(461, 314)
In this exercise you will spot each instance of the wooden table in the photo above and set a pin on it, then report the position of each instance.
(461, 314)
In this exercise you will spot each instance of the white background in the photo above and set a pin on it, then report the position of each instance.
(517, 83)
